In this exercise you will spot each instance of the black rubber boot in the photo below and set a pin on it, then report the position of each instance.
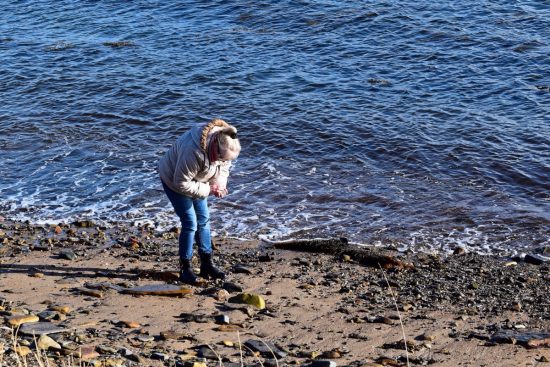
(208, 270)
(186, 272)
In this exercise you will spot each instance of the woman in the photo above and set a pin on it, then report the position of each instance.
(197, 166)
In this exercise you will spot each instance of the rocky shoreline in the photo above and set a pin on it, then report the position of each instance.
(107, 295)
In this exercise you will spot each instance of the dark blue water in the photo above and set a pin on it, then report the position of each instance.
(425, 124)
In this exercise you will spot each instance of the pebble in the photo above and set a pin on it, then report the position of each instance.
(249, 298)
(427, 337)
(104, 349)
(90, 292)
(112, 362)
(173, 335)
(145, 338)
(45, 342)
(131, 324)
(222, 295)
(241, 269)
(67, 255)
(232, 287)
(159, 290)
(62, 309)
(265, 348)
(22, 350)
(22, 319)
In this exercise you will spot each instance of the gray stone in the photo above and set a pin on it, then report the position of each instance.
(205, 352)
(527, 338)
(242, 269)
(48, 315)
(232, 287)
(67, 254)
(266, 349)
(536, 259)
(41, 328)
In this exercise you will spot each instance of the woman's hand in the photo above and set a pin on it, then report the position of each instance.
(218, 191)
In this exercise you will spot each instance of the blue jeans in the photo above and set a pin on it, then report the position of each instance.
(195, 223)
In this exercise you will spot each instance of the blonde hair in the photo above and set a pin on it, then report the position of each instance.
(230, 146)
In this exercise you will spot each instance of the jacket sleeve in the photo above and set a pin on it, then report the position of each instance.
(186, 170)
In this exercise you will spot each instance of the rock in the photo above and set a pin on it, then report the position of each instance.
(229, 328)
(104, 349)
(266, 349)
(221, 319)
(113, 362)
(41, 328)
(358, 336)
(381, 320)
(131, 324)
(67, 254)
(128, 354)
(232, 287)
(22, 350)
(174, 335)
(459, 251)
(22, 319)
(331, 354)
(407, 307)
(45, 342)
(536, 259)
(37, 275)
(204, 351)
(527, 338)
(104, 286)
(84, 352)
(62, 309)
(145, 338)
(58, 230)
(265, 258)
(228, 343)
(510, 263)
(427, 337)
(322, 363)
(159, 290)
(516, 306)
(241, 269)
(158, 356)
(249, 298)
(222, 295)
(48, 315)
(90, 292)
(346, 258)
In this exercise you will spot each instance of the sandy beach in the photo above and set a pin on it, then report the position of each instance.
(74, 282)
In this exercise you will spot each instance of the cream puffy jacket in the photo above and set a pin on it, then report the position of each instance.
(186, 169)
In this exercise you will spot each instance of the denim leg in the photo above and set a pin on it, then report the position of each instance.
(202, 236)
(183, 205)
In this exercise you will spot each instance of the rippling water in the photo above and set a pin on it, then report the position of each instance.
(425, 124)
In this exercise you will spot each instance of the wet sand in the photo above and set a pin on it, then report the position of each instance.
(457, 310)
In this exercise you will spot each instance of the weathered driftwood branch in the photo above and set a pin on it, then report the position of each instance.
(339, 247)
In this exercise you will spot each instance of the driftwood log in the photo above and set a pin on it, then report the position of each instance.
(340, 247)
